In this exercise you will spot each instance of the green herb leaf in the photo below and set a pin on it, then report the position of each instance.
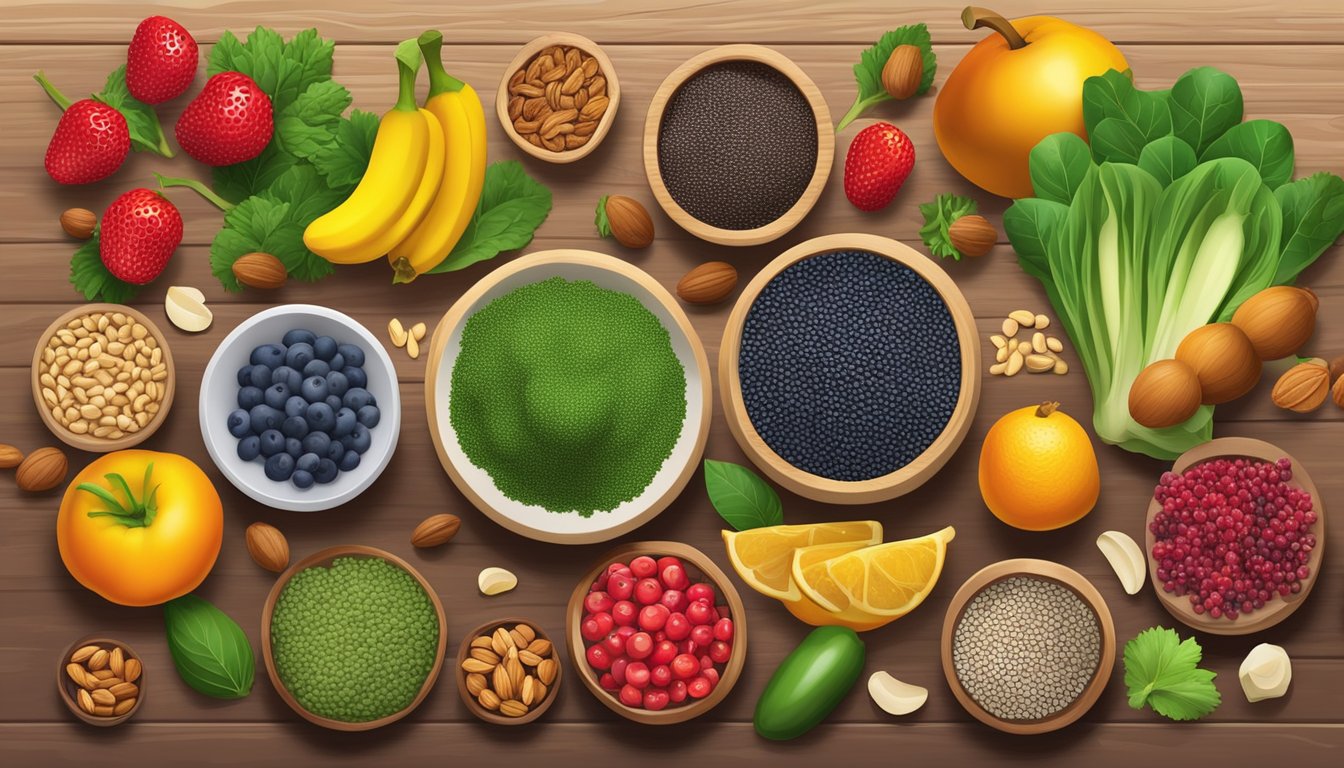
(90, 277)
(1030, 224)
(1120, 118)
(1313, 218)
(1162, 671)
(1167, 159)
(344, 160)
(512, 206)
(1205, 104)
(141, 120)
(283, 70)
(741, 497)
(240, 181)
(1058, 164)
(209, 649)
(268, 224)
(938, 216)
(868, 72)
(600, 218)
(1265, 144)
(309, 124)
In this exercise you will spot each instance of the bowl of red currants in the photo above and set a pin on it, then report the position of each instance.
(657, 632)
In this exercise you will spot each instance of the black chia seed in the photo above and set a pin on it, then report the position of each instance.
(737, 145)
(850, 365)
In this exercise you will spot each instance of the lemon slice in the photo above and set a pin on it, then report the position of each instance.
(763, 557)
(887, 580)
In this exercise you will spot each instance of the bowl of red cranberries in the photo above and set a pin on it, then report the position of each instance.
(1235, 536)
(657, 632)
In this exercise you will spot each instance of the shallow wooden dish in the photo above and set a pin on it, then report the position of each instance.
(525, 54)
(891, 485)
(474, 706)
(1052, 572)
(825, 144)
(324, 558)
(1277, 609)
(89, 442)
(530, 520)
(705, 569)
(67, 688)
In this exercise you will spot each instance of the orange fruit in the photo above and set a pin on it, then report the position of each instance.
(808, 611)
(885, 581)
(763, 557)
(1038, 470)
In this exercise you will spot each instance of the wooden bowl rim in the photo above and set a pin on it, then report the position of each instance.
(65, 686)
(1050, 571)
(88, 442)
(825, 144)
(708, 570)
(458, 313)
(474, 706)
(1275, 610)
(530, 49)
(906, 478)
(324, 557)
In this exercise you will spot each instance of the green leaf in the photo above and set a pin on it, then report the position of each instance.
(282, 70)
(90, 277)
(1205, 104)
(307, 194)
(1030, 223)
(141, 119)
(600, 219)
(266, 224)
(512, 206)
(938, 217)
(1265, 144)
(1058, 164)
(344, 161)
(1313, 218)
(1120, 118)
(309, 125)
(741, 497)
(868, 72)
(1162, 671)
(209, 649)
(1168, 159)
(240, 181)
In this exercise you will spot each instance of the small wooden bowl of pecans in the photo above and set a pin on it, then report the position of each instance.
(558, 97)
(508, 672)
(100, 681)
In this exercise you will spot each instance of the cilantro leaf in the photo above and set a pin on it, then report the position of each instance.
(1162, 671)
(938, 216)
(90, 277)
(512, 206)
(240, 181)
(310, 123)
(868, 72)
(141, 120)
(345, 159)
(600, 220)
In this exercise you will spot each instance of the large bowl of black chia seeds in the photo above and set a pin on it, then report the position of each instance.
(738, 145)
(849, 369)
(1028, 646)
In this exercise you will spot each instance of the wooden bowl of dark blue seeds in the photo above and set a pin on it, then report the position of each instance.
(738, 145)
(849, 369)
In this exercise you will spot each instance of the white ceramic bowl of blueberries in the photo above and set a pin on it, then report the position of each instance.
(300, 407)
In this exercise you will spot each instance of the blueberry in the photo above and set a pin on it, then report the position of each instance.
(317, 442)
(349, 461)
(240, 423)
(245, 375)
(296, 406)
(260, 376)
(346, 420)
(320, 417)
(335, 451)
(326, 471)
(269, 355)
(299, 355)
(337, 384)
(308, 462)
(279, 467)
(265, 417)
(249, 448)
(276, 395)
(297, 336)
(337, 361)
(358, 441)
(353, 354)
(294, 426)
(368, 416)
(356, 376)
(356, 398)
(250, 397)
(316, 368)
(314, 389)
(324, 347)
(272, 442)
(287, 376)
(302, 479)
(334, 403)
(294, 447)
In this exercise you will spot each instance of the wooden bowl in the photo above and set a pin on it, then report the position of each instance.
(68, 690)
(88, 442)
(1059, 574)
(476, 484)
(888, 486)
(696, 561)
(825, 144)
(525, 55)
(1278, 608)
(324, 558)
(474, 706)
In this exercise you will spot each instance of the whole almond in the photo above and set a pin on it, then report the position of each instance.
(1302, 388)
(477, 666)
(41, 470)
(1337, 392)
(529, 690)
(103, 698)
(547, 670)
(475, 684)
(486, 655)
(529, 658)
(10, 456)
(529, 634)
(98, 662)
(972, 235)
(132, 670)
(124, 706)
(268, 547)
(512, 708)
(79, 222)
(76, 673)
(85, 700)
(514, 668)
(435, 530)
(502, 682)
(501, 641)
(489, 699)
(903, 71)
(260, 270)
(708, 283)
(116, 661)
(628, 220)
(540, 646)
(481, 642)
(124, 690)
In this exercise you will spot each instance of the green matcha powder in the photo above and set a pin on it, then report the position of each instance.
(569, 395)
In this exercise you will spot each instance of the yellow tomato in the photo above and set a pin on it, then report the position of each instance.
(140, 527)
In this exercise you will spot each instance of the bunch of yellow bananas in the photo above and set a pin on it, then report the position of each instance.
(424, 177)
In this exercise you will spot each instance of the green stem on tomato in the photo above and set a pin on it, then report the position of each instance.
(133, 513)
(431, 43)
(61, 99)
(408, 66)
(199, 187)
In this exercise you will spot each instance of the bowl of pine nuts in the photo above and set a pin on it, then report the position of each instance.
(103, 377)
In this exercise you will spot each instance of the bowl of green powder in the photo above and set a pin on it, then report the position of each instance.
(353, 638)
(568, 396)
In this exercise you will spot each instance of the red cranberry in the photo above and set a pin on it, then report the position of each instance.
(700, 612)
(667, 560)
(608, 682)
(663, 653)
(684, 666)
(631, 696)
(637, 674)
(621, 587)
(706, 662)
(653, 617)
(699, 688)
(598, 602)
(676, 691)
(686, 646)
(723, 630)
(655, 699)
(596, 627)
(674, 576)
(660, 675)
(598, 657)
(675, 600)
(702, 635)
(647, 591)
(700, 591)
(623, 613)
(618, 670)
(616, 568)
(639, 646)
(615, 644)
(643, 567)
(678, 627)
(720, 651)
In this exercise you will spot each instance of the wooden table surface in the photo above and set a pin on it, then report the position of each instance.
(1287, 56)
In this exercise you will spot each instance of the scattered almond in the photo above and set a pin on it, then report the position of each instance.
(1303, 388)
(903, 72)
(10, 456)
(627, 221)
(42, 470)
(396, 332)
(708, 283)
(260, 270)
(268, 547)
(79, 222)
(435, 530)
(972, 235)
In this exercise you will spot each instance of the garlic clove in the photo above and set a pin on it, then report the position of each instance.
(496, 581)
(894, 696)
(185, 307)
(1265, 673)
(1126, 559)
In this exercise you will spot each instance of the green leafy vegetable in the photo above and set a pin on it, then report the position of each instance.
(1163, 672)
(1265, 144)
(512, 206)
(141, 120)
(741, 497)
(1205, 104)
(1167, 159)
(938, 216)
(90, 277)
(1312, 209)
(344, 160)
(1058, 165)
(868, 72)
(600, 219)
(209, 649)
(1120, 118)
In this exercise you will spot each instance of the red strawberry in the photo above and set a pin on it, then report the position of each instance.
(139, 232)
(91, 140)
(879, 161)
(161, 60)
(229, 122)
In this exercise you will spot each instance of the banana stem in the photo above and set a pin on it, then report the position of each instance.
(200, 189)
(408, 66)
(53, 93)
(975, 17)
(431, 44)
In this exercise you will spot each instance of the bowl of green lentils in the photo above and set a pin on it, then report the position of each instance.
(353, 638)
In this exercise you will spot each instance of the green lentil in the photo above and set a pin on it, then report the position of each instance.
(355, 641)
(569, 395)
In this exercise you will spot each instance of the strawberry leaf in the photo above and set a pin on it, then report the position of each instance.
(868, 72)
(240, 181)
(90, 277)
(309, 124)
(141, 120)
(938, 217)
(344, 160)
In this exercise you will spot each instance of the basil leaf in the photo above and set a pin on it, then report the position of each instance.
(1265, 144)
(1168, 159)
(1058, 164)
(741, 497)
(1205, 104)
(209, 649)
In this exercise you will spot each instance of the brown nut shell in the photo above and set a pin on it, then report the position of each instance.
(903, 71)
(630, 222)
(1224, 360)
(1278, 320)
(973, 235)
(1303, 388)
(1164, 394)
(42, 470)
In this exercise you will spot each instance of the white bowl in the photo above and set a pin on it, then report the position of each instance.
(533, 521)
(219, 393)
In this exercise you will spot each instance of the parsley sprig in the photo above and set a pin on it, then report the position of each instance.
(1162, 671)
